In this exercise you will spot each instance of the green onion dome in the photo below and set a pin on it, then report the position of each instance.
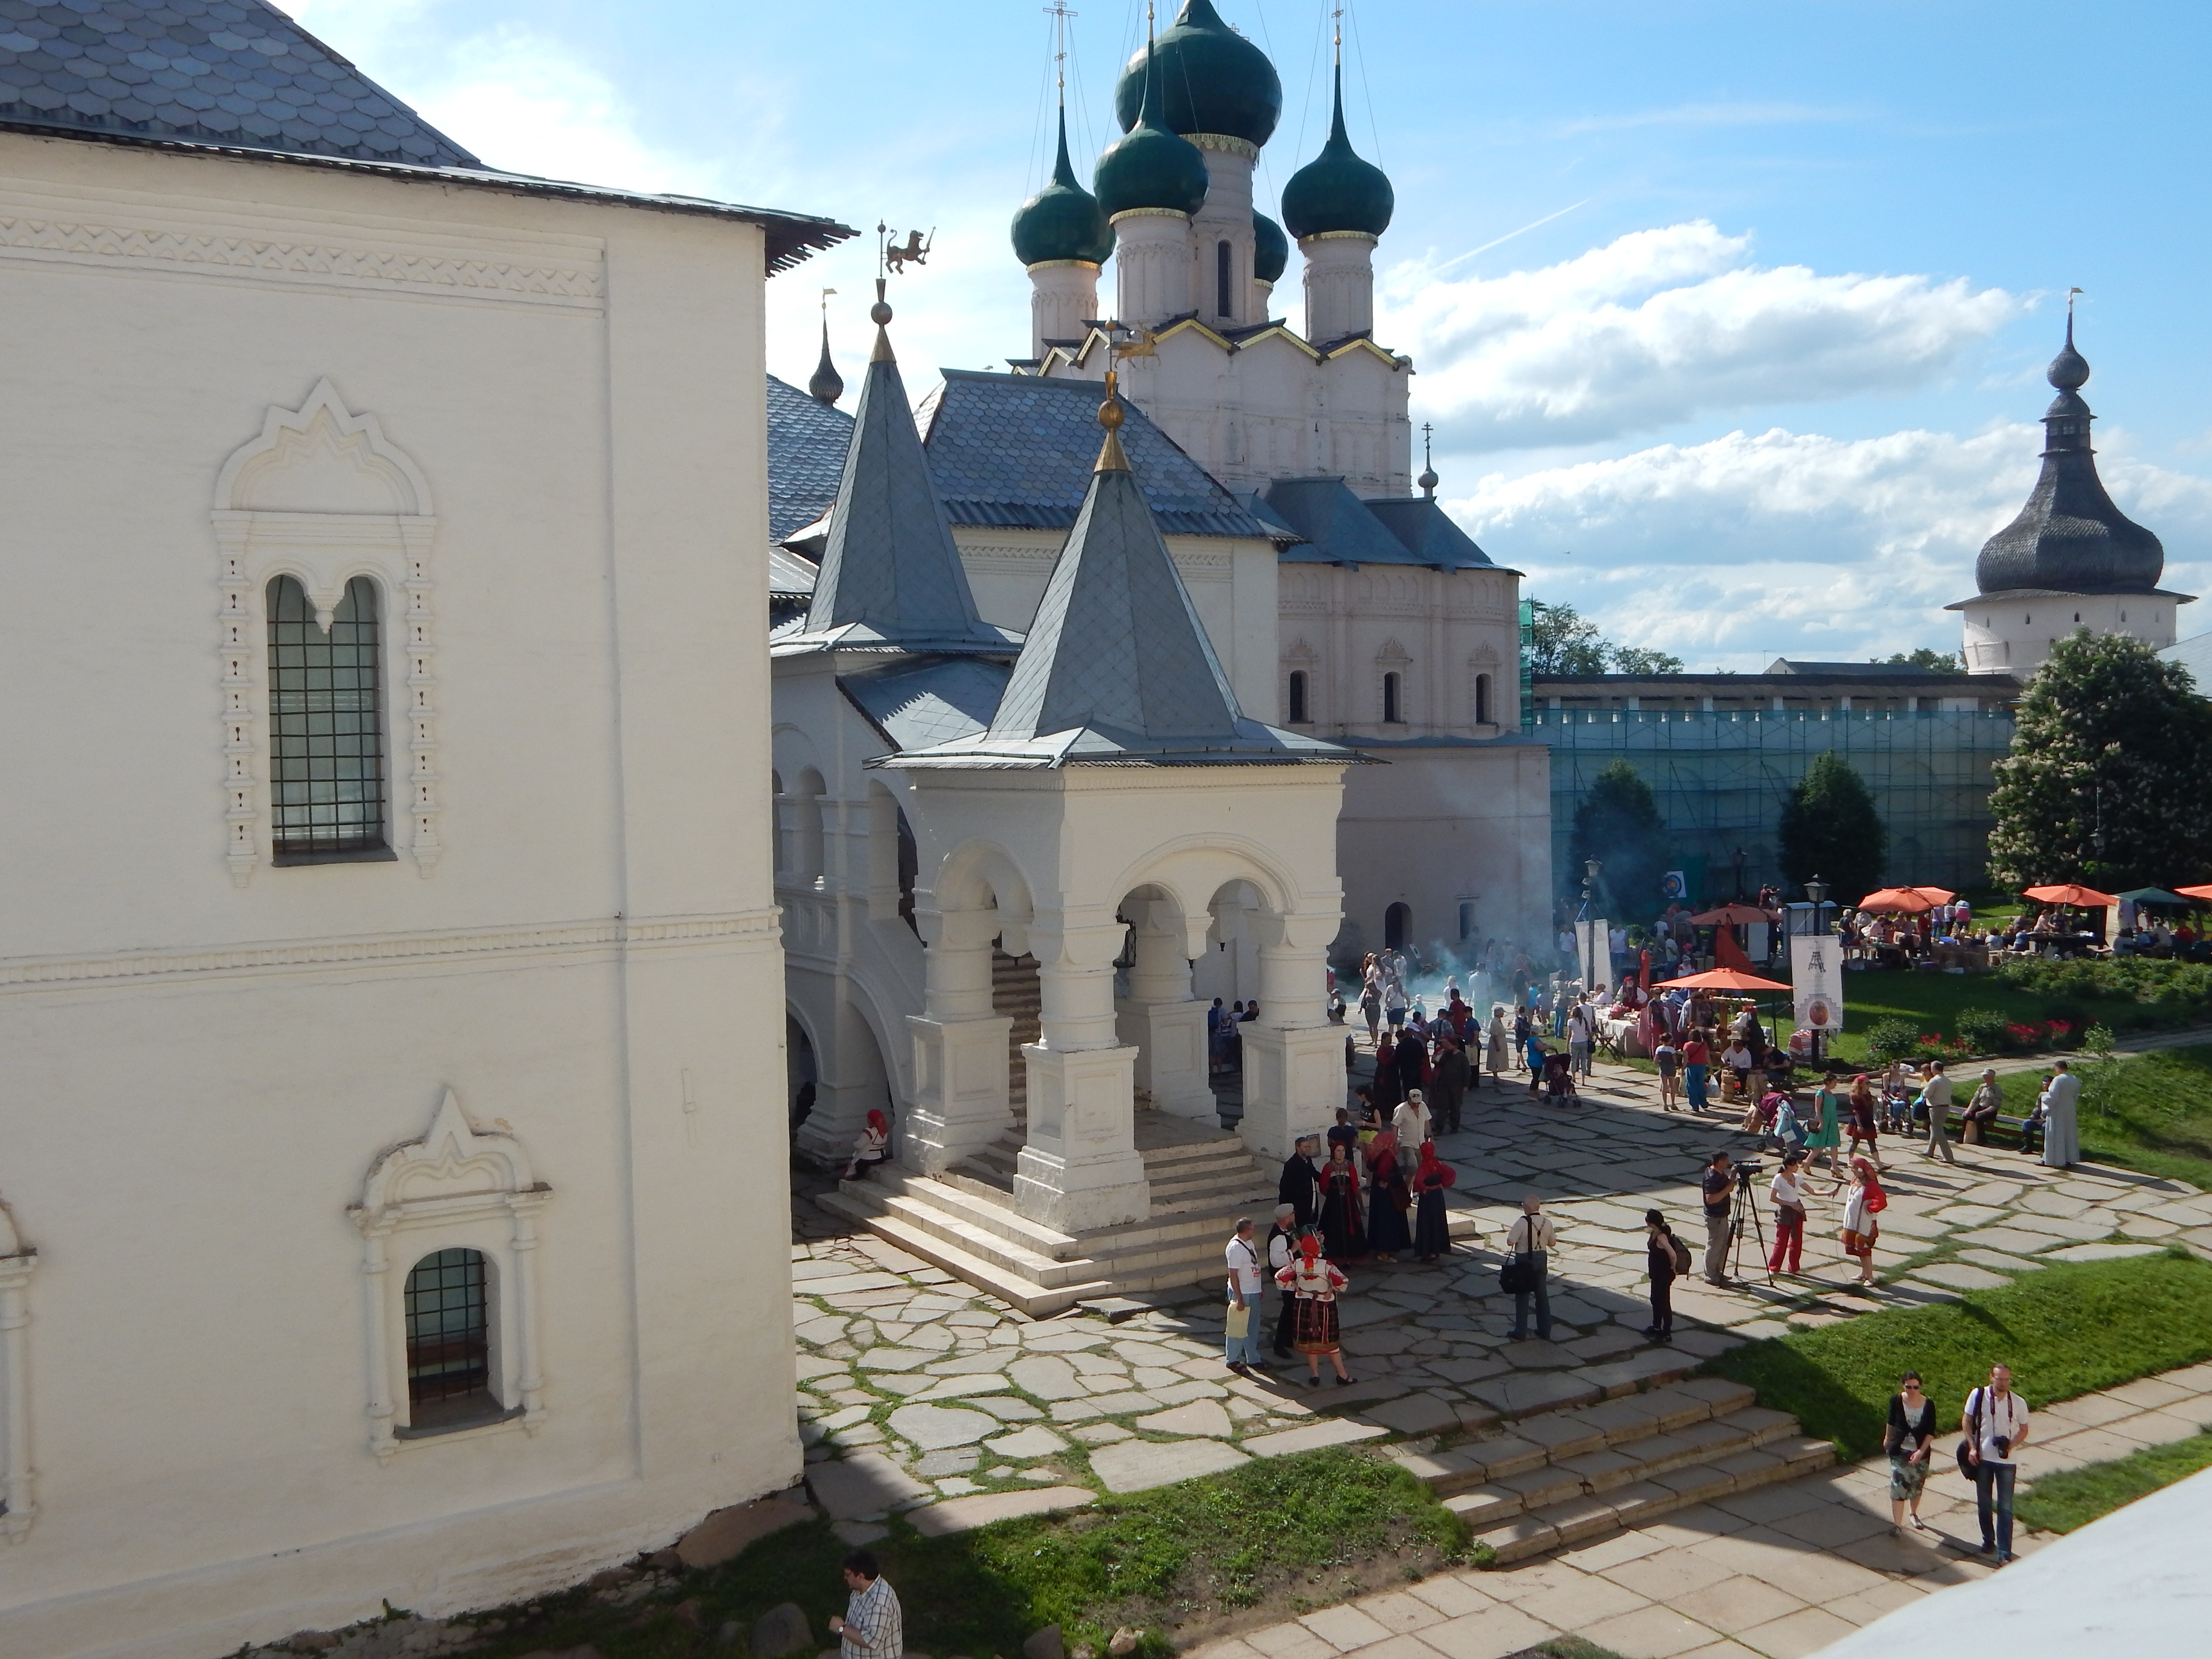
(1063, 221)
(1212, 79)
(1148, 166)
(1337, 190)
(1271, 249)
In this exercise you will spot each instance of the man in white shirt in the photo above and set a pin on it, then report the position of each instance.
(873, 1625)
(1410, 1123)
(1996, 1425)
(1936, 1096)
(1242, 1255)
(1532, 1240)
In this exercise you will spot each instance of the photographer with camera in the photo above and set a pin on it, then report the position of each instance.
(1996, 1425)
(1719, 1182)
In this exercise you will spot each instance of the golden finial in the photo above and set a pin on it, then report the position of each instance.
(1110, 415)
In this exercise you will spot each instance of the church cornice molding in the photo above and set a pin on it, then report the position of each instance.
(409, 950)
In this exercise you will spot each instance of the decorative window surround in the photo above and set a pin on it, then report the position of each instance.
(322, 495)
(17, 1478)
(457, 1187)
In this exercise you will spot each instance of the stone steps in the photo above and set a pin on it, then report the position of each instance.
(974, 1255)
(1566, 1474)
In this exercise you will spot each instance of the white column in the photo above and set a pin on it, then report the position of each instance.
(1160, 1018)
(1152, 263)
(1293, 1057)
(960, 1064)
(1340, 284)
(1063, 295)
(1080, 1169)
(529, 1380)
(375, 1286)
(18, 1480)
(1226, 217)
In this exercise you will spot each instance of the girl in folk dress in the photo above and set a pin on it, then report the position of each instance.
(1389, 1198)
(1864, 1112)
(1866, 1202)
(1314, 1283)
(871, 1146)
(1432, 1228)
(1342, 1222)
(1826, 1132)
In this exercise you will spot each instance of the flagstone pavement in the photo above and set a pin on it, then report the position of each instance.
(920, 1394)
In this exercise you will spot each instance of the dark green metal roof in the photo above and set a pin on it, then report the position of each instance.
(1271, 249)
(1063, 221)
(1212, 79)
(1149, 166)
(1337, 190)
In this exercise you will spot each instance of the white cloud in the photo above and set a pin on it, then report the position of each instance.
(1752, 546)
(1663, 324)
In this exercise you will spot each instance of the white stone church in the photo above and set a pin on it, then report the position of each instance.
(405, 927)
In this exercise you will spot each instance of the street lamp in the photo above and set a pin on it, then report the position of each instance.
(1816, 891)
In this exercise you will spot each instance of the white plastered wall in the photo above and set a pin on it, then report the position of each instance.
(201, 1074)
(2014, 635)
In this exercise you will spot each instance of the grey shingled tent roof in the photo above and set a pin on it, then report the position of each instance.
(1117, 667)
(891, 577)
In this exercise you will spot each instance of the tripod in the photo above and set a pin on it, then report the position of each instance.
(1745, 1204)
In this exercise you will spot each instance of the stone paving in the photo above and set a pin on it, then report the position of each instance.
(1778, 1572)
(938, 1395)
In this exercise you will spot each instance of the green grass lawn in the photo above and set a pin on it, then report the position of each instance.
(2152, 1112)
(1276, 1537)
(2066, 1330)
(2075, 1498)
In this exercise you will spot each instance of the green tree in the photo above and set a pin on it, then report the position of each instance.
(1925, 656)
(2110, 778)
(1830, 828)
(1618, 824)
(1566, 643)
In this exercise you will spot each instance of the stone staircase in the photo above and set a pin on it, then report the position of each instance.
(1566, 1474)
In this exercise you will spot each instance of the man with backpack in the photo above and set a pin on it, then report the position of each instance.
(1996, 1425)
(1667, 1260)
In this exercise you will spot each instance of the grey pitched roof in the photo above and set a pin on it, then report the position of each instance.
(890, 576)
(2194, 653)
(1117, 667)
(1427, 531)
(232, 72)
(1015, 451)
(806, 445)
(237, 77)
(790, 575)
(1338, 526)
(916, 704)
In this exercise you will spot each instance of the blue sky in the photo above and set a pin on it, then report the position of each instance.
(1731, 317)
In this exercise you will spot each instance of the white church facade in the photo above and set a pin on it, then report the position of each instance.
(383, 980)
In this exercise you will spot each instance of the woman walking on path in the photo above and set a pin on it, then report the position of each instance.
(1826, 1132)
(1387, 1199)
(1314, 1283)
(1341, 1224)
(1864, 1109)
(1911, 1431)
(1866, 1202)
(1431, 1227)
(1500, 1041)
(1669, 1059)
(1787, 1192)
(1371, 1000)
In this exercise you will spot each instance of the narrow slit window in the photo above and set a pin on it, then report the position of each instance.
(1298, 696)
(1222, 258)
(448, 1308)
(1482, 699)
(1390, 714)
(326, 727)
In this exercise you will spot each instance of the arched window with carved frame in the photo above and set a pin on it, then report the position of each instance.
(327, 740)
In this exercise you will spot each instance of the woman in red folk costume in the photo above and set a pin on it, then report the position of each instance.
(1432, 1178)
(1315, 1284)
(871, 1147)
(1343, 1218)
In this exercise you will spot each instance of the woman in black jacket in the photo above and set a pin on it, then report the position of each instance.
(1911, 1432)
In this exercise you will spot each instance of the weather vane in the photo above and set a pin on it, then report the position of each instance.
(892, 258)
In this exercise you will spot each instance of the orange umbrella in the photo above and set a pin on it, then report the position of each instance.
(1912, 900)
(1935, 895)
(1726, 979)
(1731, 916)
(2195, 892)
(2087, 898)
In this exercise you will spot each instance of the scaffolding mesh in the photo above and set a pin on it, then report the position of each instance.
(1721, 779)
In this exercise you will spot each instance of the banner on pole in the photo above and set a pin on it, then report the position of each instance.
(1594, 945)
(1816, 975)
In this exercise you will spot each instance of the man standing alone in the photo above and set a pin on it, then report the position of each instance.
(1718, 1179)
(872, 1627)
(1448, 1085)
(1242, 1340)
